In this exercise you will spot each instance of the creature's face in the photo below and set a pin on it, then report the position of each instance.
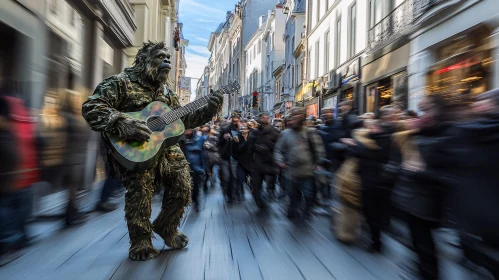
(158, 65)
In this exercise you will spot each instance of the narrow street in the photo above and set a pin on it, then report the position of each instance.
(226, 242)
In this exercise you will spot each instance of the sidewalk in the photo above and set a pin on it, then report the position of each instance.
(226, 242)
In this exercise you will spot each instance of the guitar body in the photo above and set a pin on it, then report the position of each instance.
(137, 156)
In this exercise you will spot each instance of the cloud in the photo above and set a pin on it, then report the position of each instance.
(196, 7)
(201, 50)
(208, 20)
(201, 39)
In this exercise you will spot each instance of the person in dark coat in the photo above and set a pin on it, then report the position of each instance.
(244, 159)
(228, 163)
(422, 184)
(196, 157)
(475, 152)
(261, 144)
(376, 191)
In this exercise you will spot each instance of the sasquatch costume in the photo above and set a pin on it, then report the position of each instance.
(129, 91)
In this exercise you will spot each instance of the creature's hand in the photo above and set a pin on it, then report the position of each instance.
(216, 101)
(135, 130)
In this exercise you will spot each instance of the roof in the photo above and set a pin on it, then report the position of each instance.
(219, 28)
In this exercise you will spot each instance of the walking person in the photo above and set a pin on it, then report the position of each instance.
(212, 159)
(244, 160)
(111, 184)
(78, 136)
(228, 163)
(261, 144)
(195, 156)
(299, 151)
(421, 187)
(18, 128)
(372, 147)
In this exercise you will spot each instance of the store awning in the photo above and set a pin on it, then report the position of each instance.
(386, 64)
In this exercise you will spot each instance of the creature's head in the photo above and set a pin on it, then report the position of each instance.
(153, 62)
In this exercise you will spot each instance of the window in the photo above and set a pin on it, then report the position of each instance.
(327, 5)
(317, 58)
(292, 45)
(337, 46)
(53, 7)
(326, 51)
(309, 62)
(298, 74)
(292, 76)
(259, 46)
(72, 16)
(353, 30)
(318, 16)
(375, 12)
(254, 51)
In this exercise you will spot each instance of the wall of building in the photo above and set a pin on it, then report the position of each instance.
(338, 12)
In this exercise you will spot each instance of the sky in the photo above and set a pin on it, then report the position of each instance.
(200, 18)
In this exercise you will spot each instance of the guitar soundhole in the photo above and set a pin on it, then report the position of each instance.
(155, 123)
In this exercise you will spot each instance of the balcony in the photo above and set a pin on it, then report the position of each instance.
(403, 20)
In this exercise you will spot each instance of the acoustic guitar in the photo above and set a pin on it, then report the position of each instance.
(166, 126)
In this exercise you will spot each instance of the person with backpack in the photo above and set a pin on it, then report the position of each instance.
(299, 150)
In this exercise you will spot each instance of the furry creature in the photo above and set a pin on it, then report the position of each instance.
(132, 90)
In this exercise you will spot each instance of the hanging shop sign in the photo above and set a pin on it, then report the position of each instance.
(351, 72)
(313, 110)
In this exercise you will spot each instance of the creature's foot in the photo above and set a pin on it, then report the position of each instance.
(142, 252)
(178, 241)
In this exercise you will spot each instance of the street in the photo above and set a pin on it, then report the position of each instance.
(226, 242)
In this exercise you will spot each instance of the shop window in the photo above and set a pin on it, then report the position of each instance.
(347, 95)
(370, 98)
(385, 92)
(464, 67)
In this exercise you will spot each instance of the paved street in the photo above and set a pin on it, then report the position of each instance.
(226, 242)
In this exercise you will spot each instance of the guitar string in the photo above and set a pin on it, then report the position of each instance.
(173, 115)
(167, 118)
(176, 114)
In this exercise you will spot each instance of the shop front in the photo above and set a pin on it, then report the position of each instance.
(465, 66)
(349, 84)
(384, 81)
(457, 54)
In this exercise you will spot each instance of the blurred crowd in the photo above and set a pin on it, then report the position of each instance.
(429, 171)
(44, 152)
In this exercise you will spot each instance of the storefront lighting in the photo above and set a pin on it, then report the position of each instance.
(487, 61)
(471, 79)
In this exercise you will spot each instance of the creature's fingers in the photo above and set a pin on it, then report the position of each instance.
(144, 128)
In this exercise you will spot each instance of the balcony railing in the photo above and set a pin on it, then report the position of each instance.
(399, 22)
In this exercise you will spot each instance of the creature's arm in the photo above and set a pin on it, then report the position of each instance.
(200, 116)
(100, 112)
(100, 108)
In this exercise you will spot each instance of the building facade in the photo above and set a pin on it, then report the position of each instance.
(227, 44)
(255, 54)
(273, 41)
(157, 20)
(294, 34)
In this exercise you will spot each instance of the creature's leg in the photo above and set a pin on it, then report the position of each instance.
(175, 199)
(140, 187)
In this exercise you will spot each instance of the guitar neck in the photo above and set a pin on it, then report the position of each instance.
(187, 109)
(184, 110)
